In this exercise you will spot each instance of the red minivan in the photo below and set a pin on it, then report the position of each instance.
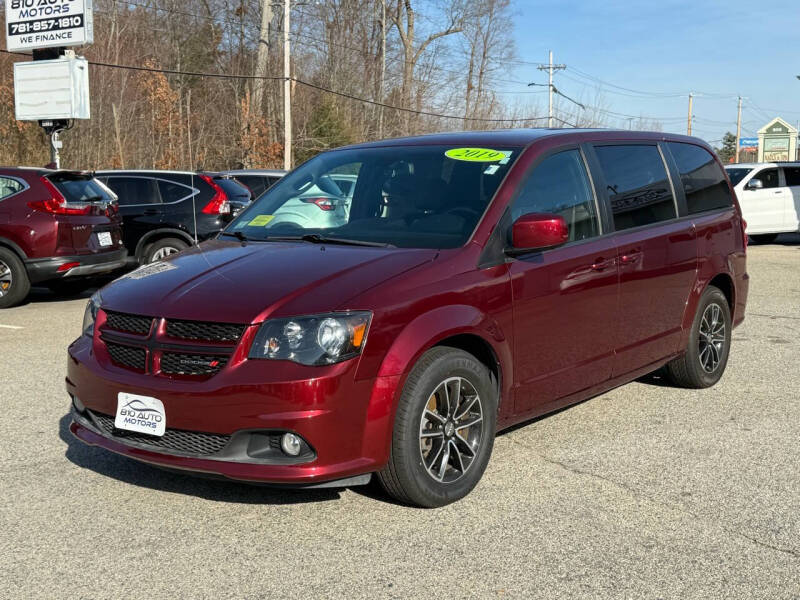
(473, 281)
(60, 229)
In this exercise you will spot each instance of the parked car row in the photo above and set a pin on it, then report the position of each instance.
(63, 229)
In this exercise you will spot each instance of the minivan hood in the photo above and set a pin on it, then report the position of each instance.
(228, 281)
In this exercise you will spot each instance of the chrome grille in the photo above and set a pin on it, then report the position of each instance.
(200, 330)
(128, 323)
(127, 356)
(177, 440)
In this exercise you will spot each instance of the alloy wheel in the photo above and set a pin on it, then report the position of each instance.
(712, 338)
(164, 252)
(451, 430)
(6, 279)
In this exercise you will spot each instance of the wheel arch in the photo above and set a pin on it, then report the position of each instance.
(159, 234)
(724, 282)
(460, 326)
(7, 243)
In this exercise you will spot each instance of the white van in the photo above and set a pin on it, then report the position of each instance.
(769, 194)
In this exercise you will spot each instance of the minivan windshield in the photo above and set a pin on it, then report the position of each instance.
(404, 196)
(736, 174)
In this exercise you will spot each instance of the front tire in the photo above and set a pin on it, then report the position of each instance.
(709, 344)
(444, 430)
(14, 282)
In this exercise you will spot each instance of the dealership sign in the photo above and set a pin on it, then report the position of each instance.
(48, 23)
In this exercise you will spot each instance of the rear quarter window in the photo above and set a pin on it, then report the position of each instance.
(702, 178)
(9, 187)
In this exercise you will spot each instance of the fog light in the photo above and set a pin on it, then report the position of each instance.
(291, 444)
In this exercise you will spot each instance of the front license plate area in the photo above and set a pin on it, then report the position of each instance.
(141, 414)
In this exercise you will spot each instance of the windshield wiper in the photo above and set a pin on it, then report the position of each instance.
(316, 238)
(237, 234)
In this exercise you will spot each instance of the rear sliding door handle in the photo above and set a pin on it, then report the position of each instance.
(630, 258)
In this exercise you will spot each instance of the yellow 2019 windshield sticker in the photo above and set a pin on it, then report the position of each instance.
(475, 154)
(261, 221)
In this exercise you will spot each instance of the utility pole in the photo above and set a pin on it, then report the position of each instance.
(287, 90)
(383, 68)
(738, 128)
(551, 68)
(689, 122)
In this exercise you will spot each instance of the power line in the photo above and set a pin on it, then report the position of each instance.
(307, 84)
(295, 34)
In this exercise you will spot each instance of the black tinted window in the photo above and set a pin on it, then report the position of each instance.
(702, 178)
(736, 174)
(792, 175)
(173, 192)
(134, 190)
(638, 188)
(769, 177)
(79, 188)
(257, 184)
(560, 186)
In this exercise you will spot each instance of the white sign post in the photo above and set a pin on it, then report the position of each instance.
(34, 24)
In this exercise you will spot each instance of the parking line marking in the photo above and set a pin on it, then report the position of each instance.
(10, 327)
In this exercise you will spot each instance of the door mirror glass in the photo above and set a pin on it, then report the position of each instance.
(539, 230)
(755, 184)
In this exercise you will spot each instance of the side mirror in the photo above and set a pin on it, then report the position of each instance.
(754, 184)
(539, 230)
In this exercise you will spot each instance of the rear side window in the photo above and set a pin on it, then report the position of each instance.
(257, 184)
(79, 188)
(702, 178)
(133, 191)
(9, 187)
(560, 185)
(637, 185)
(792, 175)
(173, 192)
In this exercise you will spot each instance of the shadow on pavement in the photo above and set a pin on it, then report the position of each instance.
(127, 470)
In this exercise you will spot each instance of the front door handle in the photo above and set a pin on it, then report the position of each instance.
(601, 264)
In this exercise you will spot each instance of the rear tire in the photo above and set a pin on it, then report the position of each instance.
(14, 282)
(434, 458)
(162, 249)
(764, 238)
(709, 344)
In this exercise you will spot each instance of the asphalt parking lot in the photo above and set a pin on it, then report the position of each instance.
(646, 491)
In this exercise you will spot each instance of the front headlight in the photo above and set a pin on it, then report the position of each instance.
(90, 314)
(313, 340)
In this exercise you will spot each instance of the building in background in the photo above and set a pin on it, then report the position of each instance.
(777, 141)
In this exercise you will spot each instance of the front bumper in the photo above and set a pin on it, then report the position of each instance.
(345, 422)
(46, 269)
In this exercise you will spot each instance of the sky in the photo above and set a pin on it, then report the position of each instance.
(666, 49)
